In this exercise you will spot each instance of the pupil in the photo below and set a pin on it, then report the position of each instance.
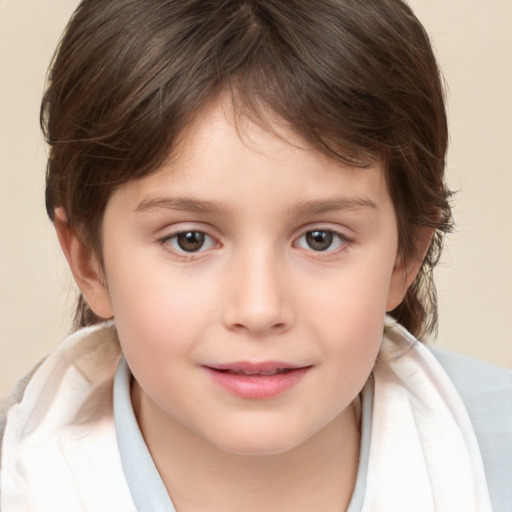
(190, 241)
(319, 240)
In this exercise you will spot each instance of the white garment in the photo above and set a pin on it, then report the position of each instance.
(424, 454)
(60, 451)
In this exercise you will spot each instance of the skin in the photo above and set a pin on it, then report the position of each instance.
(256, 290)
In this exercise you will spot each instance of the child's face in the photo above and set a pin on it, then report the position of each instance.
(249, 253)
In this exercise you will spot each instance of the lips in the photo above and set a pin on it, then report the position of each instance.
(266, 379)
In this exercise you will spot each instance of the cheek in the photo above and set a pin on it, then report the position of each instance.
(151, 307)
(158, 332)
(161, 315)
(155, 313)
(354, 299)
(352, 354)
(348, 314)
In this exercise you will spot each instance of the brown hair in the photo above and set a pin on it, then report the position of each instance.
(355, 79)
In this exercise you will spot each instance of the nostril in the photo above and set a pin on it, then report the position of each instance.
(273, 328)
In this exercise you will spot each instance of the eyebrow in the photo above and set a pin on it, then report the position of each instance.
(200, 206)
(182, 204)
(334, 204)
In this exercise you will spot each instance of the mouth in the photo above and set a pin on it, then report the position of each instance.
(250, 373)
(265, 368)
(257, 380)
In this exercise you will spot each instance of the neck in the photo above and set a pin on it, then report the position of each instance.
(201, 477)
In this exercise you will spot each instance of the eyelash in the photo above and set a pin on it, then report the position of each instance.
(171, 242)
(334, 237)
(167, 242)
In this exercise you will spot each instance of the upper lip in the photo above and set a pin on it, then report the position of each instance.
(255, 367)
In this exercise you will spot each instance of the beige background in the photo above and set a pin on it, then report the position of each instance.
(474, 44)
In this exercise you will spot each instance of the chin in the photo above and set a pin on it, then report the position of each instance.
(258, 443)
(257, 450)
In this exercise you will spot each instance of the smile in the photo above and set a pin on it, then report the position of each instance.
(257, 381)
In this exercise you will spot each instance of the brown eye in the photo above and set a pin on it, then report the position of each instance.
(319, 240)
(322, 240)
(191, 241)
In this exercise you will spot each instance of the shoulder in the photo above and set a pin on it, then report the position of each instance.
(84, 360)
(475, 379)
(486, 390)
(15, 397)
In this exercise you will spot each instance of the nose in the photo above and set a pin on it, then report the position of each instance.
(257, 297)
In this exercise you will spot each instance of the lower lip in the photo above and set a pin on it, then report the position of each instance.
(257, 386)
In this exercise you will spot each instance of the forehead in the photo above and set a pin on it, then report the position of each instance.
(221, 137)
(231, 159)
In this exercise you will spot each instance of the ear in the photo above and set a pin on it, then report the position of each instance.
(84, 265)
(405, 271)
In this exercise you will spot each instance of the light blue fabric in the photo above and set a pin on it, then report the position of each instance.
(356, 502)
(148, 491)
(486, 391)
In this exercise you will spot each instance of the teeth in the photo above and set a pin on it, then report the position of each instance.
(264, 374)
